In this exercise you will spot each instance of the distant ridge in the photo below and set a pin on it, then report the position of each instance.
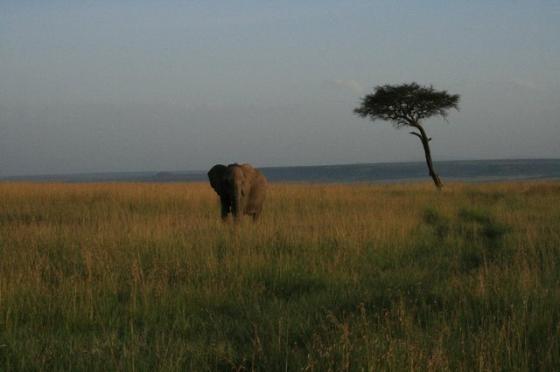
(464, 170)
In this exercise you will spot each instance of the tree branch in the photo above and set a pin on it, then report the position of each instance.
(420, 136)
(417, 135)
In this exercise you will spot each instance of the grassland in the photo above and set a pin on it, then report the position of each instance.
(334, 277)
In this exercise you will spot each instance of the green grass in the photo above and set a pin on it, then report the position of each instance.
(334, 277)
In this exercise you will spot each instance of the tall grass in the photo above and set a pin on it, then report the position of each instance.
(333, 277)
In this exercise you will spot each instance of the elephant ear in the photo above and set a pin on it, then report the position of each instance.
(216, 176)
(248, 178)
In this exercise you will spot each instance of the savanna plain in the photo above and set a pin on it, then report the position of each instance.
(332, 277)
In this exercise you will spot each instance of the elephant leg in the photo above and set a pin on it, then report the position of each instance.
(225, 208)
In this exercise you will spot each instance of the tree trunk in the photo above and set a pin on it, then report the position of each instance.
(425, 143)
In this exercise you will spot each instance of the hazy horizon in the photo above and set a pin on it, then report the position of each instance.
(500, 165)
(122, 87)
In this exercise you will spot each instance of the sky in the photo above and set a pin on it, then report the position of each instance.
(122, 85)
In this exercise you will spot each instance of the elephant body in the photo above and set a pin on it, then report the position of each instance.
(241, 188)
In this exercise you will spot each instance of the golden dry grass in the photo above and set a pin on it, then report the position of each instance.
(340, 277)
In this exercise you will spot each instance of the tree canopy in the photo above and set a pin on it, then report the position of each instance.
(406, 104)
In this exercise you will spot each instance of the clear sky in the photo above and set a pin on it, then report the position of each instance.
(122, 85)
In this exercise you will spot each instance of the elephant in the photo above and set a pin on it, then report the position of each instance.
(241, 188)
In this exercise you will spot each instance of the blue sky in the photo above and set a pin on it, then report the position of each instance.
(92, 86)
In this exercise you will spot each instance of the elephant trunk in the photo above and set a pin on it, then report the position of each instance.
(237, 200)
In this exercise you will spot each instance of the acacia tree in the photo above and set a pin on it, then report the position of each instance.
(406, 105)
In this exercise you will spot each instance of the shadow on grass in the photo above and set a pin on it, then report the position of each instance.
(473, 237)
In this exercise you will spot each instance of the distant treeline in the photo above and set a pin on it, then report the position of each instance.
(463, 170)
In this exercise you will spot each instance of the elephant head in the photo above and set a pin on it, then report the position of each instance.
(241, 189)
(216, 177)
